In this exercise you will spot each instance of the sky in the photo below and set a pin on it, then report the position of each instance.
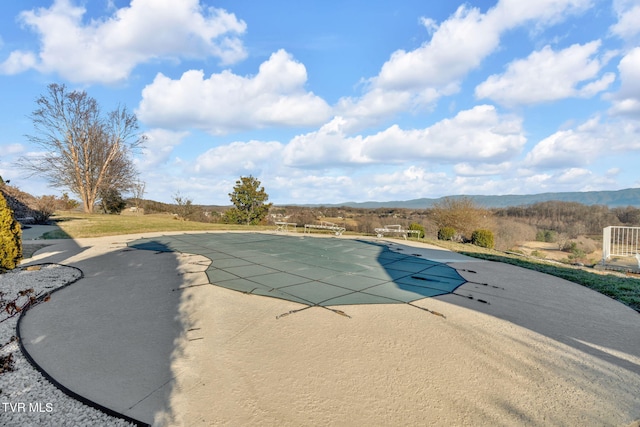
(335, 101)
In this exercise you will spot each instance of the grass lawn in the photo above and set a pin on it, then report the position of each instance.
(76, 225)
(79, 225)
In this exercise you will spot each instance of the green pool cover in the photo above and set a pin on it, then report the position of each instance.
(310, 270)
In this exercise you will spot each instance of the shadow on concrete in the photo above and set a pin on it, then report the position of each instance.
(555, 308)
(43, 232)
(109, 339)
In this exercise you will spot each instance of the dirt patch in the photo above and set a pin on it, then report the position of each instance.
(542, 250)
(551, 251)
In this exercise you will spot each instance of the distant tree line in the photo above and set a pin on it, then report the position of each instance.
(570, 217)
(182, 208)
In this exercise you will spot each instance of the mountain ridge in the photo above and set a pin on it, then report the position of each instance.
(617, 198)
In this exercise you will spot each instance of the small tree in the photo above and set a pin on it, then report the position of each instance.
(184, 206)
(138, 193)
(66, 203)
(249, 200)
(45, 206)
(112, 201)
(10, 237)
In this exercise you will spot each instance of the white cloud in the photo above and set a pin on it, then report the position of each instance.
(333, 166)
(373, 106)
(240, 158)
(511, 13)
(159, 146)
(627, 100)
(458, 45)
(10, 153)
(12, 149)
(482, 169)
(562, 149)
(418, 78)
(588, 142)
(547, 75)
(573, 175)
(227, 102)
(570, 179)
(17, 62)
(628, 12)
(613, 172)
(404, 184)
(327, 146)
(106, 51)
(628, 106)
(476, 134)
(301, 186)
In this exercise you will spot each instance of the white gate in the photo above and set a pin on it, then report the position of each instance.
(620, 241)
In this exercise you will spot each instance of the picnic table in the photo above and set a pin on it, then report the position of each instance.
(395, 229)
(325, 225)
(284, 226)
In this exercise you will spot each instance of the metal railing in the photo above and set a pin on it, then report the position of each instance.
(620, 241)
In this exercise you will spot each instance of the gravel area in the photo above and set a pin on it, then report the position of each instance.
(27, 398)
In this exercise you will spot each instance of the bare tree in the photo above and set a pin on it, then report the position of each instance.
(84, 151)
(138, 193)
(184, 206)
(460, 213)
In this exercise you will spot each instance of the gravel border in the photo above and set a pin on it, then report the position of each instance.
(27, 397)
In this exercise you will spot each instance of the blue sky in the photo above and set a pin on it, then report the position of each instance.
(335, 101)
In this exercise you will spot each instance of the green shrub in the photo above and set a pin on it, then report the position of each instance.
(548, 236)
(446, 233)
(538, 254)
(232, 216)
(10, 237)
(416, 226)
(483, 238)
(112, 201)
(577, 254)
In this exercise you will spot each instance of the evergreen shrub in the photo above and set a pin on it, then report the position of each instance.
(10, 237)
(446, 233)
(483, 238)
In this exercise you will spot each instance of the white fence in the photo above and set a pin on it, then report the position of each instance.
(620, 241)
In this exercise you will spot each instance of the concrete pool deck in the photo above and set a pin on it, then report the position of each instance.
(144, 334)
